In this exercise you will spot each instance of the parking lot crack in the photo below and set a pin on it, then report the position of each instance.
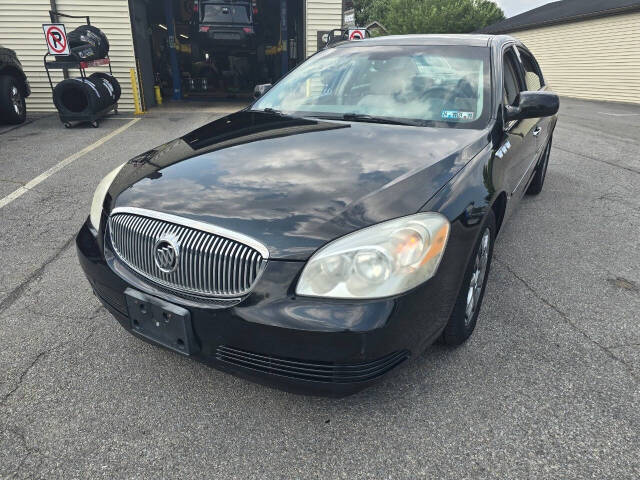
(14, 182)
(567, 319)
(624, 345)
(59, 316)
(15, 294)
(29, 450)
(21, 378)
(629, 169)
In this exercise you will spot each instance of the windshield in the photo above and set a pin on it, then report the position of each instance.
(225, 12)
(446, 86)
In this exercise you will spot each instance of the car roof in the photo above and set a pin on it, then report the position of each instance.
(472, 40)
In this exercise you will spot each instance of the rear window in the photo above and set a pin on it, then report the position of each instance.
(225, 12)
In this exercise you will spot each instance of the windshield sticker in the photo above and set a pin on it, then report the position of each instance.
(456, 115)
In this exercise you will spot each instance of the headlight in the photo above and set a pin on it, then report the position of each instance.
(380, 261)
(98, 197)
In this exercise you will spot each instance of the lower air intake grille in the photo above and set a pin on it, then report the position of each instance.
(312, 371)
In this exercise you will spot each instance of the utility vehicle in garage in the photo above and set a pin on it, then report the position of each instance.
(226, 22)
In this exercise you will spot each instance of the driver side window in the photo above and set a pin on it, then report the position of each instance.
(511, 78)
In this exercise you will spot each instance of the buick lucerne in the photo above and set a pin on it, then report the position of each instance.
(337, 226)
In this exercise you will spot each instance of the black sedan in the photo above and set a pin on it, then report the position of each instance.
(340, 224)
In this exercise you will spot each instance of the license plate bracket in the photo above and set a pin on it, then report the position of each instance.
(161, 322)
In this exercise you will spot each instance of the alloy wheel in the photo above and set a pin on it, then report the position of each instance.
(16, 99)
(478, 277)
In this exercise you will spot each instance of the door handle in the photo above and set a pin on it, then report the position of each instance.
(537, 131)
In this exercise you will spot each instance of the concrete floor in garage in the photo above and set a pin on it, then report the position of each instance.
(548, 387)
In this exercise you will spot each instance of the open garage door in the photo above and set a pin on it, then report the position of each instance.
(217, 49)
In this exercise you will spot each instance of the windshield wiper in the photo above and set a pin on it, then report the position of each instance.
(360, 117)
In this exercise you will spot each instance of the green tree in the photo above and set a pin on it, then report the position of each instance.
(428, 16)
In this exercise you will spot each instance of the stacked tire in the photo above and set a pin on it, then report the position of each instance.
(88, 43)
(86, 96)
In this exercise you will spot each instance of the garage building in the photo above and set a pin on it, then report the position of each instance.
(587, 49)
(164, 41)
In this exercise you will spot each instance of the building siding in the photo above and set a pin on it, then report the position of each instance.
(321, 15)
(21, 30)
(596, 59)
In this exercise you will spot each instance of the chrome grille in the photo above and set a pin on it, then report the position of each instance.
(210, 263)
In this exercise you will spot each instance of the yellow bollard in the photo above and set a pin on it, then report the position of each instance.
(143, 102)
(156, 88)
(136, 95)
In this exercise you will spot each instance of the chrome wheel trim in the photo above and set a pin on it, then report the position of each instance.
(478, 277)
(16, 99)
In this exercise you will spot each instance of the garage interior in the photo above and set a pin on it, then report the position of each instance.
(214, 49)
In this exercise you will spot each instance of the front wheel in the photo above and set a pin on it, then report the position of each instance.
(467, 308)
(13, 108)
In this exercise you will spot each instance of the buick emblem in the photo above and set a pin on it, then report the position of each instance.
(166, 253)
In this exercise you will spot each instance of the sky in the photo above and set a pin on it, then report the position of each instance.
(515, 7)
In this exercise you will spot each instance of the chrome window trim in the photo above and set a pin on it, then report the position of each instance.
(196, 225)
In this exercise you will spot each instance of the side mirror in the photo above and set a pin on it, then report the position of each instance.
(533, 105)
(260, 90)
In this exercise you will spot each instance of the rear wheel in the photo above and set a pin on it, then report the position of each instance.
(541, 172)
(13, 108)
(467, 308)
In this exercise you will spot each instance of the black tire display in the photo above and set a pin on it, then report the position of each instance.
(13, 108)
(467, 308)
(78, 96)
(113, 84)
(92, 36)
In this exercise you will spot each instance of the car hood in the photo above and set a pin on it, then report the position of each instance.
(294, 184)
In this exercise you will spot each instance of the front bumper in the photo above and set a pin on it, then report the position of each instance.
(325, 347)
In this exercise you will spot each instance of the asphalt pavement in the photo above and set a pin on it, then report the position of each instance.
(548, 386)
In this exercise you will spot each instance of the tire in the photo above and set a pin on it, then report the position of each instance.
(463, 320)
(77, 96)
(89, 35)
(535, 187)
(113, 86)
(13, 108)
(84, 53)
(106, 93)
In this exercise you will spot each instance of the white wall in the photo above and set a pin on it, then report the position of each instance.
(321, 15)
(21, 30)
(597, 59)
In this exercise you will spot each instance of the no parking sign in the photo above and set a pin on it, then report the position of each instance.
(357, 34)
(56, 37)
